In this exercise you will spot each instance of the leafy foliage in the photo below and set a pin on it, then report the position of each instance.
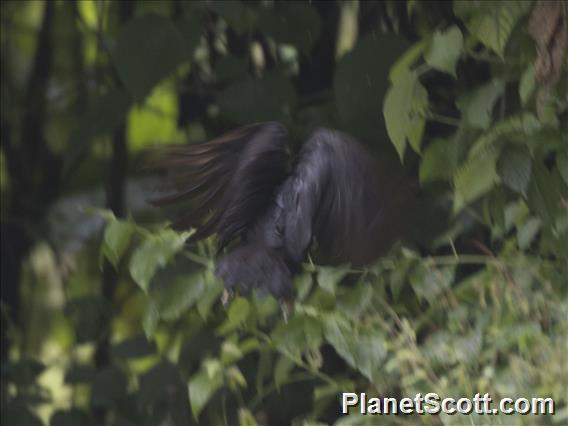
(474, 300)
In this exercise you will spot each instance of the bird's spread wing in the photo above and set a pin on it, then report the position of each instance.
(333, 197)
(231, 180)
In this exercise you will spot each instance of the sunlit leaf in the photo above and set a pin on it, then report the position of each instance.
(175, 297)
(438, 161)
(404, 110)
(329, 276)
(477, 105)
(492, 22)
(201, 387)
(155, 252)
(444, 50)
(116, 239)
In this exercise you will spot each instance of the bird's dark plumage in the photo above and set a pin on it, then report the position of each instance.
(268, 208)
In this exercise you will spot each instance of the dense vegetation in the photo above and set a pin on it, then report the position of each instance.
(108, 317)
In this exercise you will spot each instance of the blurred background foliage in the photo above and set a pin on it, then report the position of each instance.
(108, 317)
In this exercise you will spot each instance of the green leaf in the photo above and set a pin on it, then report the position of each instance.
(527, 232)
(213, 290)
(329, 276)
(543, 193)
(429, 282)
(155, 252)
(522, 125)
(353, 300)
(282, 370)
(303, 285)
(177, 296)
(527, 85)
(474, 178)
(444, 50)
(365, 351)
(246, 418)
(148, 48)
(361, 82)
(237, 315)
(438, 161)
(514, 168)
(116, 239)
(477, 106)
(202, 386)
(492, 22)
(404, 110)
(150, 319)
(403, 65)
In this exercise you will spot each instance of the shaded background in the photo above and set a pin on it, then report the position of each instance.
(126, 327)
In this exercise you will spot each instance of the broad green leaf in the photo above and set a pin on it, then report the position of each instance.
(361, 82)
(527, 232)
(492, 22)
(477, 105)
(353, 300)
(303, 285)
(239, 310)
(514, 168)
(174, 298)
(282, 370)
(474, 178)
(544, 193)
(302, 331)
(155, 252)
(212, 293)
(339, 333)
(202, 386)
(429, 281)
(329, 276)
(527, 85)
(156, 119)
(116, 239)
(403, 65)
(148, 48)
(404, 110)
(444, 50)
(246, 418)
(150, 319)
(365, 351)
(438, 161)
(522, 125)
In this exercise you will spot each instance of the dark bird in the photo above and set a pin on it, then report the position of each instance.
(270, 208)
